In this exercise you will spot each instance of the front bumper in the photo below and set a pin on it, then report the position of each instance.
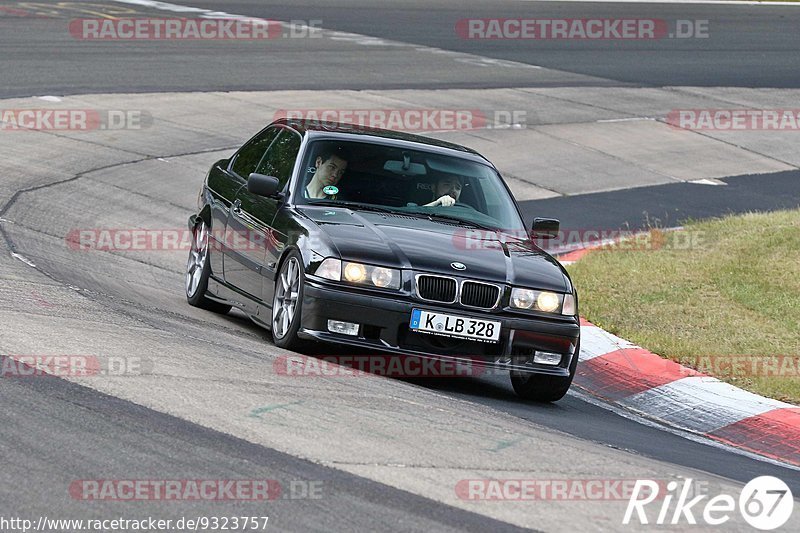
(384, 327)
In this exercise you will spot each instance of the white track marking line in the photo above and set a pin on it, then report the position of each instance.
(708, 181)
(23, 259)
(629, 119)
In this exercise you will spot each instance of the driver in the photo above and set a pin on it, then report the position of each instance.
(447, 191)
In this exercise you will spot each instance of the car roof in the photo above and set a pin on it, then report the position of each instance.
(343, 130)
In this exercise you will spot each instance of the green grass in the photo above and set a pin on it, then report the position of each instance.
(715, 293)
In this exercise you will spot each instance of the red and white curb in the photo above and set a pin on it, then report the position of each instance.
(633, 378)
(628, 376)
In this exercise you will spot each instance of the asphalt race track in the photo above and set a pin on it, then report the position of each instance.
(205, 401)
(747, 47)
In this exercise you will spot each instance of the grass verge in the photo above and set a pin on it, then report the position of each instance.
(721, 296)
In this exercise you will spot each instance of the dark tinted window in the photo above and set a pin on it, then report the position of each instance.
(279, 160)
(411, 181)
(251, 153)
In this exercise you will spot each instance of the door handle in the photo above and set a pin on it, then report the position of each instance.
(237, 206)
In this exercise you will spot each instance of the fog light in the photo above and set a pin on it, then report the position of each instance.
(547, 358)
(345, 328)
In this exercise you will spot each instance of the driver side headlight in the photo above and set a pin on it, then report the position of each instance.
(545, 301)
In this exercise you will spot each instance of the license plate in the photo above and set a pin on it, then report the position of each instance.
(455, 326)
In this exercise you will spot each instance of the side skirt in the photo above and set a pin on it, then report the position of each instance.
(257, 310)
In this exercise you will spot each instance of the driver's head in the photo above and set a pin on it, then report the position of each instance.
(331, 164)
(450, 185)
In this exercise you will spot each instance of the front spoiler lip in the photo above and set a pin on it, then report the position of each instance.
(383, 347)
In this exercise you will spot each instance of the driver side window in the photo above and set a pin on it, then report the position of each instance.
(251, 153)
(281, 156)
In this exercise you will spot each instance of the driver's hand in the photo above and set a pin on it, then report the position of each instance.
(445, 201)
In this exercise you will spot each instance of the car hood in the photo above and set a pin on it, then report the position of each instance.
(427, 246)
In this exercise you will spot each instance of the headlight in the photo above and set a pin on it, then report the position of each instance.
(545, 301)
(375, 276)
(355, 272)
(358, 273)
(382, 277)
(330, 269)
(522, 298)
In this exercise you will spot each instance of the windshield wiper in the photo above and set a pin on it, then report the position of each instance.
(353, 205)
(461, 222)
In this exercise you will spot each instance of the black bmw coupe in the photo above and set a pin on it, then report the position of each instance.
(385, 241)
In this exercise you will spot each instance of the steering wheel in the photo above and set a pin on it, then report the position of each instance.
(461, 204)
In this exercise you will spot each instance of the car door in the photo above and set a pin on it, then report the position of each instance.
(249, 231)
(242, 164)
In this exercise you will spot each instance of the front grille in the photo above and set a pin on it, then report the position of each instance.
(436, 288)
(482, 295)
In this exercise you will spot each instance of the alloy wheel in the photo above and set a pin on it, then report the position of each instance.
(198, 255)
(287, 290)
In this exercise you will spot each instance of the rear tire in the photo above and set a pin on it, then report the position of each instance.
(198, 270)
(544, 388)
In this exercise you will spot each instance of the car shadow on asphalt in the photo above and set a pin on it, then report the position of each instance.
(488, 389)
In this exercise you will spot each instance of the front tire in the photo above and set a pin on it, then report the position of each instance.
(544, 388)
(287, 302)
(198, 270)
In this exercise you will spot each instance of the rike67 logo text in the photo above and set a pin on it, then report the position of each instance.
(765, 503)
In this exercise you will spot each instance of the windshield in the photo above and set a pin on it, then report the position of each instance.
(384, 178)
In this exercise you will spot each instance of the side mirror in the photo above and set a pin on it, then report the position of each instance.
(263, 185)
(545, 228)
